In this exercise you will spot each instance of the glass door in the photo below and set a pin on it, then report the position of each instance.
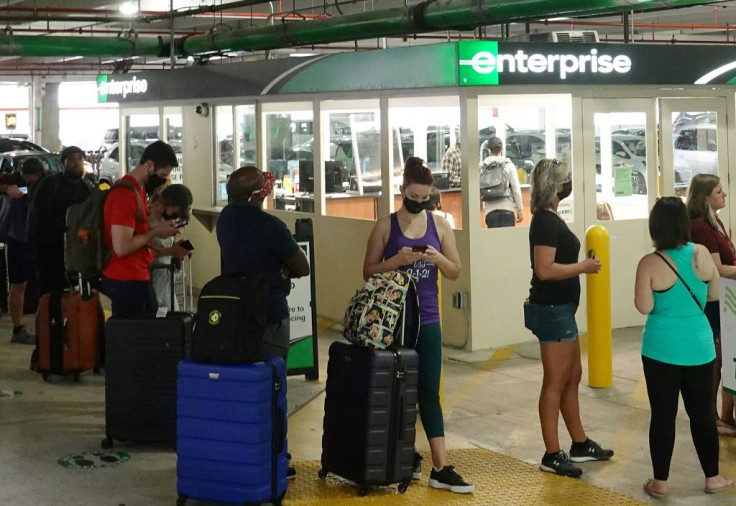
(620, 186)
(619, 150)
(694, 141)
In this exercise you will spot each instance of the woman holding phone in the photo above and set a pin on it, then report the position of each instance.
(549, 313)
(417, 241)
(170, 203)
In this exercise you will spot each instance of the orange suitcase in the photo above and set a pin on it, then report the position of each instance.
(67, 329)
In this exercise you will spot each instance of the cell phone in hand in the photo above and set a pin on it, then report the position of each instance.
(180, 224)
(419, 248)
(186, 245)
(23, 190)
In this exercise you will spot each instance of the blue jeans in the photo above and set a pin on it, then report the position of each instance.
(130, 299)
(551, 323)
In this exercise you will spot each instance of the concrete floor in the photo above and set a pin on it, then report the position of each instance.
(490, 402)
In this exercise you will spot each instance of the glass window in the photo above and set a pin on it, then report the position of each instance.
(528, 133)
(224, 160)
(351, 149)
(140, 131)
(695, 146)
(620, 165)
(174, 136)
(290, 154)
(428, 127)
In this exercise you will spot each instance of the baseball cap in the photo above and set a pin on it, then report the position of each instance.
(495, 144)
(70, 150)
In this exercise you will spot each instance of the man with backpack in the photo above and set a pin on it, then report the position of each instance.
(499, 188)
(255, 242)
(126, 279)
(54, 195)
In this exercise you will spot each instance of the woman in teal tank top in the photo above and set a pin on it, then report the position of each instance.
(678, 354)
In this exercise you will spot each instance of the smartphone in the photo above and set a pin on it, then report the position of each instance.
(181, 224)
(420, 249)
(186, 244)
(23, 190)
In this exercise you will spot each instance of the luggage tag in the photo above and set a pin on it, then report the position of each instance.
(162, 312)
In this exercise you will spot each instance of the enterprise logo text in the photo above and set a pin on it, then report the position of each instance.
(124, 88)
(485, 62)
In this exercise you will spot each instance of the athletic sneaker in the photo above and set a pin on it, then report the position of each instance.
(448, 479)
(589, 450)
(23, 337)
(417, 466)
(559, 463)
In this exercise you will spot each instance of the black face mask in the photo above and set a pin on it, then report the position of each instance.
(154, 181)
(415, 207)
(566, 190)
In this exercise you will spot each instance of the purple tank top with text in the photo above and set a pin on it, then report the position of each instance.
(425, 273)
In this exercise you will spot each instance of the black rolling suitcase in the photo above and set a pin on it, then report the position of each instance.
(370, 415)
(142, 356)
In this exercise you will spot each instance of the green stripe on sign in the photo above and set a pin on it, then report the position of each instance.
(429, 66)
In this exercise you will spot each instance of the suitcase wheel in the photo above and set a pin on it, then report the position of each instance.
(322, 473)
(362, 491)
(403, 486)
(181, 501)
(106, 443)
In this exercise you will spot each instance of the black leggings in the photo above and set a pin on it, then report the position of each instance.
(664, 384)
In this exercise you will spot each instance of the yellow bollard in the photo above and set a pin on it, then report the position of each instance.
(600, 352)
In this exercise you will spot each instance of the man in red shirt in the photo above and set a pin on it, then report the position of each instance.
(126, 279)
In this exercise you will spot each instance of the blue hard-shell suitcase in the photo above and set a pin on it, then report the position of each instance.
(231, 432)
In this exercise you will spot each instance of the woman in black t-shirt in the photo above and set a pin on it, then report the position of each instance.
(550, 314)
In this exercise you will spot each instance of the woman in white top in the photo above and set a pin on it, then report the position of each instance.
(171, 203)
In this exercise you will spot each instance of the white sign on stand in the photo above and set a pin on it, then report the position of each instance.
(728, 333)
(300, 303)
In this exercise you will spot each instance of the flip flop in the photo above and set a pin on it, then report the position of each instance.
(654, 494)
(718, 490)
(725, 429)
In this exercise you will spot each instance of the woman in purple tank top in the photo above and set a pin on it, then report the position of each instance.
(416, 241)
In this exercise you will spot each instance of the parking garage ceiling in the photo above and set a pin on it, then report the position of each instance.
(87, 37)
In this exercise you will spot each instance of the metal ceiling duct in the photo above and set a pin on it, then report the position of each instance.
(428, 16)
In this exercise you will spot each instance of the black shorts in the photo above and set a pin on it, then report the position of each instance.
(21, 263)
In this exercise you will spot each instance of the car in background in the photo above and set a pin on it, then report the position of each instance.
(527, 147)
(109, 165)
(695, 152)
(12, 161)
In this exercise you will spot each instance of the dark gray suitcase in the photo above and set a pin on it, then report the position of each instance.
(142, 356)
(370, 415)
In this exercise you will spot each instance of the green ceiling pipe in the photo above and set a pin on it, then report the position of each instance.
(428, 16)
(81, 46)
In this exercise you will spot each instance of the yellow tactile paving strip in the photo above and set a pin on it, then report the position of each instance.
(498, 479)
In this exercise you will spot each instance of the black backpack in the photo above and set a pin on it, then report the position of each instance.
(231, 319)
(494, 181)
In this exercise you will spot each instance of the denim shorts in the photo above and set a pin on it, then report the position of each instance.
(551, 323)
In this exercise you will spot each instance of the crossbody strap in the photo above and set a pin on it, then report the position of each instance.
(689, 290)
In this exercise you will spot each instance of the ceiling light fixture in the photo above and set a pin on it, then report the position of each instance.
(129, 8)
